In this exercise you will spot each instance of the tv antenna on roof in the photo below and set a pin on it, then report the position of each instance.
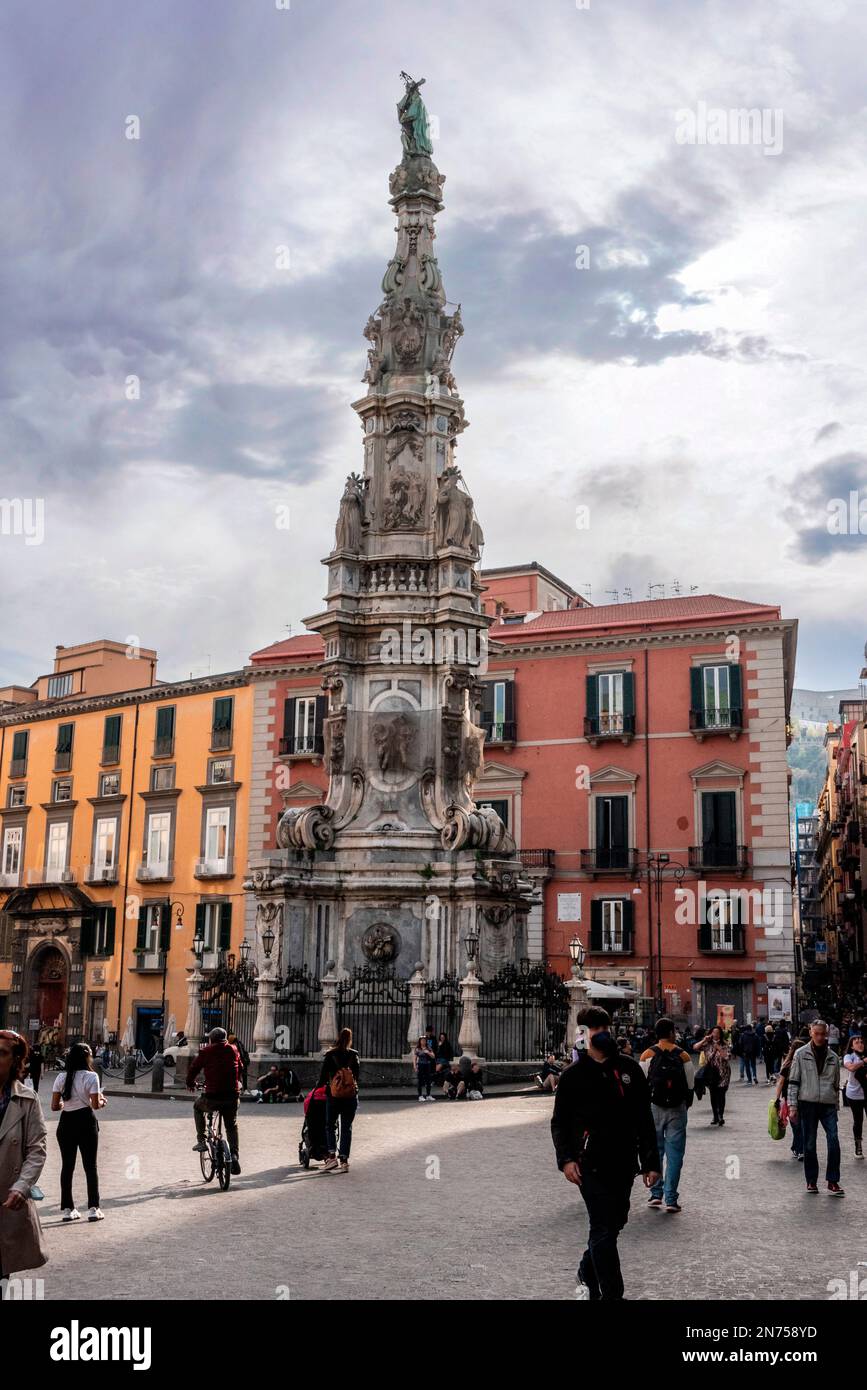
(615, 593)
(651, 587)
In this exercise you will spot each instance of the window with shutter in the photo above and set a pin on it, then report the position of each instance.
(221, 729)
(86, 939)
(225, 926)
(719, 829)
(164, 740)
(111, 739)
(63, 748)
(498, 711)
(18, 762)
(596, 924)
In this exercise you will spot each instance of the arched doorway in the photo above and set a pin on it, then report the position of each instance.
(49, 987)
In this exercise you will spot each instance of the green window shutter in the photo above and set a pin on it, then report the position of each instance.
(319, 715)
(19, 745)
(225, 926)
(696, 690)
(289, 718)
(596, 924)
(165, 926)
(509, 714)
(628, 696)
(592, 704)
(141, 936)
(64, 738)
(736, 698)
(111, 732)
(200, 920)
(704, 940)
(487, 704)
(166, 722)
(628, 923)
(223, 712)
(110, 914)
(88, 927)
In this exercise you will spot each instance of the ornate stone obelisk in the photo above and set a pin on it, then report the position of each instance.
(399, 853)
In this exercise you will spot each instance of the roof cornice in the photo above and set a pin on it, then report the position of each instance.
(619, 641)
(31, 714)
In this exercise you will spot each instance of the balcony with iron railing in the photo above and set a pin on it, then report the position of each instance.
(609, 861)
(110, 754)
(148, 962)
(221, 739)
(500, 731)
(215, 868)
(537, 858)
(710, 720)
(722, 940)
(18, 767)
(63, 760)
(303, 746)
(49, 874)
(164, 746)
(160, 871)
(598, 727)
(616, 943)
(711, 859)
(96, 874)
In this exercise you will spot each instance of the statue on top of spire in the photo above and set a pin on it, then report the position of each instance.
(411, 112)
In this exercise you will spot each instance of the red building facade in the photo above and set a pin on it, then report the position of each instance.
(637, 753)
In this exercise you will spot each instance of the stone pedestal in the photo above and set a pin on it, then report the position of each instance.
(417, 1022)
(470, 1036)
(577, 988)
(263, 1033)
(328, 1017)
(193, 1025)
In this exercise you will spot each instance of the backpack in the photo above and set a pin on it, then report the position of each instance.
(343, 1085)
(667, 1078)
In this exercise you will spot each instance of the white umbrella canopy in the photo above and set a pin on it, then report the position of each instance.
(128, 1039)
(596, 989)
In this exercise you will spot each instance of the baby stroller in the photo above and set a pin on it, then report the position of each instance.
(312, 1145)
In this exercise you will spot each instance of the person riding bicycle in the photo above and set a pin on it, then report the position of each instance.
(222, 1068)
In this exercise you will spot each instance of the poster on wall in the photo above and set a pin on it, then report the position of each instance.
(725, 1016)
(779, 1002)
(568, 907)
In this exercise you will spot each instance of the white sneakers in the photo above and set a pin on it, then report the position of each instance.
(425, 1097)
(70, 1214)
(582, 1292)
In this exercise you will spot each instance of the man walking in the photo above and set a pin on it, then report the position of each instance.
(813, 1095)
(669, 1073)
(603, 1133)
(750, 1045)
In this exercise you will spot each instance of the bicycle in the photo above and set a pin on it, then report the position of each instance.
(216, 1157)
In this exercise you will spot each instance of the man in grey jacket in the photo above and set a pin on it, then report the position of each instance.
(814, 1095)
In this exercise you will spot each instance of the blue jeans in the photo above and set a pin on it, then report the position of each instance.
(344, 1111)
(812, 1114)
(671, 1142)
(797, 1129)
(743, 1063)
(750, 1065)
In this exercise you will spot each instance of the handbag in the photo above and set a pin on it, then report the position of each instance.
(776, 1126)
(700, 1081)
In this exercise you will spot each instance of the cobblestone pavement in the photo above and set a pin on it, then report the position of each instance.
(498, 1222)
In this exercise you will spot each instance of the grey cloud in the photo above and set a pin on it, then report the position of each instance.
(823, 498)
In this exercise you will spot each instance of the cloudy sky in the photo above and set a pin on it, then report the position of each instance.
(695, 376)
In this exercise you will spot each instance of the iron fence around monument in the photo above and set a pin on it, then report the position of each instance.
(228, 1000)
(297, 1012)
(374, 1002)
(442, 1006)
(522, 1015)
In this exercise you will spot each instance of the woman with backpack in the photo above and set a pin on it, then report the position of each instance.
(717, 1070)
(339, 1076)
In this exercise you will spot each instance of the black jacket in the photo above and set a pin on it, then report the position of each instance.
(602, 1117)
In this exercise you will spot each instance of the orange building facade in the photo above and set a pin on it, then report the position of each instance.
(124, 809)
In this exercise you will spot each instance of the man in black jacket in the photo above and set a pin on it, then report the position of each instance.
(603, 1134)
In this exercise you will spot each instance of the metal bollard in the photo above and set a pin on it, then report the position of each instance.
(158, 1074)
(129, 1071)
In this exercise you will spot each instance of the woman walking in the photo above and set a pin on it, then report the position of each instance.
(423, 1062)
(782, 1095)
(769, 1053)
(339, 1076)
(718, 1072)
(22, 1158)
(76, 1094)
(855, 1092)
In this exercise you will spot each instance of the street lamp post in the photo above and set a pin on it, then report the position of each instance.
(657, 867)
(167, 907)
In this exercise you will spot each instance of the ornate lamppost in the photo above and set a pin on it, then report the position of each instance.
(470, 1036)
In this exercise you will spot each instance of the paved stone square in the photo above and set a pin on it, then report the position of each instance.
(498, 1222)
